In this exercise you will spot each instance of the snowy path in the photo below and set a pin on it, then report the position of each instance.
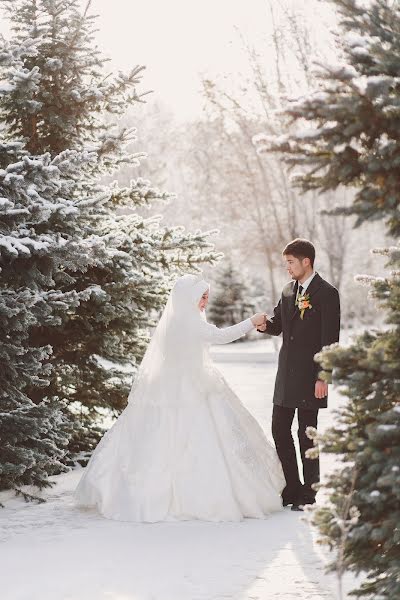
(54, 551)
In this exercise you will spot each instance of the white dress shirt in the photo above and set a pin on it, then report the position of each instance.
(305, 284)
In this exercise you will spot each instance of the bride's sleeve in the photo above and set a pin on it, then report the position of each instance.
(213, 335)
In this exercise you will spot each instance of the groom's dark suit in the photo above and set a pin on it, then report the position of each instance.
(297, 375)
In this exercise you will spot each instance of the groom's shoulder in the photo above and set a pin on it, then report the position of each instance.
(328, 287)
(288, 288)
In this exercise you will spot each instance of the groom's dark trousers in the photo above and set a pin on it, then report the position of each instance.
(282, 419)
(303, 337)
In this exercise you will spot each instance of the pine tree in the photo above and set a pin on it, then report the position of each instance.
(229, 303)
(366, 489)
(55, 98)
(62, 90)
(354, 117)
(33, 256)
(354, 140)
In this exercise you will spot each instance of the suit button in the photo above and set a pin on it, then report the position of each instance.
(291, 338)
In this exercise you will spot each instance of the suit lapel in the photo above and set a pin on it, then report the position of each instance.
(314, 285)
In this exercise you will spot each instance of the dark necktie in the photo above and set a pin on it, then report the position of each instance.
(300, 290)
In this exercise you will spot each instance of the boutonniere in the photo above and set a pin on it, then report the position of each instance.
(303, 302)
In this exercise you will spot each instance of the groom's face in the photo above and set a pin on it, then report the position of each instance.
(296, 267)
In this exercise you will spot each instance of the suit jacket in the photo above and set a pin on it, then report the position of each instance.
(302, 339)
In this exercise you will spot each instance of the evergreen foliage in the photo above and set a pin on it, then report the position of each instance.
(354, 117)
(366, 490)
(34, 255)
(229, 302)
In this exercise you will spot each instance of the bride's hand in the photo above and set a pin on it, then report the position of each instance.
(258, 319)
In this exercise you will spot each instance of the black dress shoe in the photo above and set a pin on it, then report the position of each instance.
(301, 503)
(286, 500)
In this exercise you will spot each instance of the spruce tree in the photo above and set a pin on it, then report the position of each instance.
(353, 139)
(33, 257)
(56, 99)
(365, 492)
(229, 301)
(353, 117)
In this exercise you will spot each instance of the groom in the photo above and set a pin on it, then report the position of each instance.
(308, 316)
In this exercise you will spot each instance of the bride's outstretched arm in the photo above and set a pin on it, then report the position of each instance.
(213, 335)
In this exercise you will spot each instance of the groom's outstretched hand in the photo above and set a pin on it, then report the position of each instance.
(258, 320)
(321, 389)
(263, 326)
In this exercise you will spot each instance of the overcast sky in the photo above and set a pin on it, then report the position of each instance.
(179, 39)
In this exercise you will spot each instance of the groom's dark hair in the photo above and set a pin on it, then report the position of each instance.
(300, 248)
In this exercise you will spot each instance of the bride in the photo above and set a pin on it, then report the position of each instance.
(185, 447)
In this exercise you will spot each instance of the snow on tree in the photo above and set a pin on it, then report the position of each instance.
(55, 96)
(34, 255)
(367, 438)
(353, 139)
(353, 118)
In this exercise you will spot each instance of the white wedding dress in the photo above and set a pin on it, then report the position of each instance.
(185, 447)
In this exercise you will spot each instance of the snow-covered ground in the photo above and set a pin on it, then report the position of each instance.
(55, 551)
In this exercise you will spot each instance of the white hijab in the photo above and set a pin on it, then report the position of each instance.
(176, 346)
